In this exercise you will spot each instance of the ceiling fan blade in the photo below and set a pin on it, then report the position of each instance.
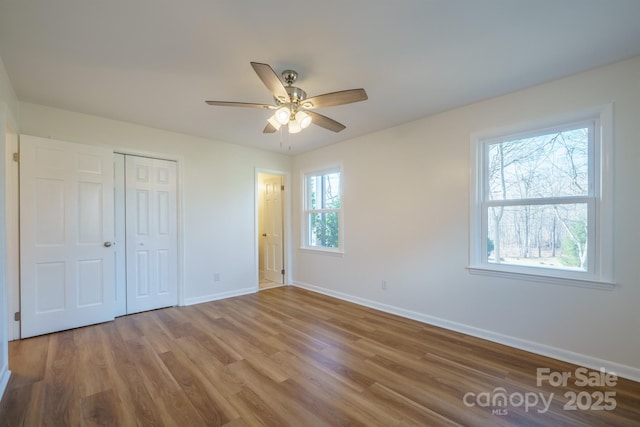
(240, 104)
(269, 128)
(325, 122)
(335, 98)
(271, 81)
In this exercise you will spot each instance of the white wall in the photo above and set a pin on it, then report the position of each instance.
(7, 95)
(406, 214)
(8, 117)
(218, 192)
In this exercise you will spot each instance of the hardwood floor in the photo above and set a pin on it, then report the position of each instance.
(281, 357)
(267, 284)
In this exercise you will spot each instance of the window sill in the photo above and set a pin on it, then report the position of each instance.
(544, 278)
(322, 251)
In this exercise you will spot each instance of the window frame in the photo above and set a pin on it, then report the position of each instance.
(306, 211)
(599, 201)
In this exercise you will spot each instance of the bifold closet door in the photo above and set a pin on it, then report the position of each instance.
(151, 233)
(66, 232)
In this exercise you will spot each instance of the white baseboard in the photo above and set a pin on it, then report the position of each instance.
(624, 371)
(221, 295)
(4, 380)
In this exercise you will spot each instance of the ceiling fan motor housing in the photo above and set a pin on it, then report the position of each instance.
(296, 94)
(289, 76)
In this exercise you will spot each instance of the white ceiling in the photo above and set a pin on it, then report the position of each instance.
(155, 62)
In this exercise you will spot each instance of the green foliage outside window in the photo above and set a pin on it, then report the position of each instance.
(324, 203)
(572, 244)
(325, 228)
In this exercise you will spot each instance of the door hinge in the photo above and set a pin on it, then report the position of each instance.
(282, 187)
(16, 157)
(282, 271)
(16, 316)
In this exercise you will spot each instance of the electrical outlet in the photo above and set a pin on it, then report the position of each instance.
(383, 284)
(216, 277)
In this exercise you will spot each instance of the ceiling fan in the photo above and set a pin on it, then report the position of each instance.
(293, 108)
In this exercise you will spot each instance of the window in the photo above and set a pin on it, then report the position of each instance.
(542, 202)
(323, 210)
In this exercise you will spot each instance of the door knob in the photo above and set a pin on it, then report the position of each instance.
(107, 244)
(264, 234)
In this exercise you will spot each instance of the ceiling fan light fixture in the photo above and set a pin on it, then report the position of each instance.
(303, 118)
(294, 126)
(283, 115)
(273, 121)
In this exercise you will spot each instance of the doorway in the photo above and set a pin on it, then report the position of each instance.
(271, 230)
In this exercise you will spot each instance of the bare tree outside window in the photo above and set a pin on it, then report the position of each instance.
(537, 194)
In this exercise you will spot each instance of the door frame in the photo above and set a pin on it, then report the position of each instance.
(286, 229)
(179, 159)
(12, 212)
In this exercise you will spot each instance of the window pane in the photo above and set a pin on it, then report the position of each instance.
(551, 165)
(539, 235)
(323, 229)
(323, 191)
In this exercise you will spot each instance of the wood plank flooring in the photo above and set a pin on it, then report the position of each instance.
(287, 357)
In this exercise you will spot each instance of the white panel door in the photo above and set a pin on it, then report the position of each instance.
(66, 228)
(151, 218)
(273, 228)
